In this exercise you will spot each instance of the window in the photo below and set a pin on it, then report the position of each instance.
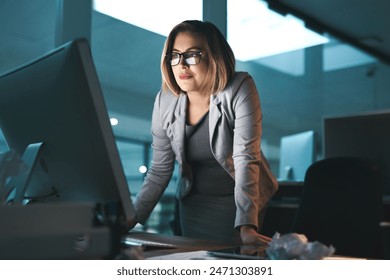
(169, 13)
(254, 31)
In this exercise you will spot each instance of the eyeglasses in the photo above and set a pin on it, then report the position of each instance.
(191, 57)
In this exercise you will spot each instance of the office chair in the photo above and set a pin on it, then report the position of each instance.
(341, 205)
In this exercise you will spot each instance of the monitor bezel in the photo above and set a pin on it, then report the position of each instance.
(17, 81)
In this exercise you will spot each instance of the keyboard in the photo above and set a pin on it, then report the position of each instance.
(139, 242)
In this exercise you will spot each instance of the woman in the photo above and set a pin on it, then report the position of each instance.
(207, 117)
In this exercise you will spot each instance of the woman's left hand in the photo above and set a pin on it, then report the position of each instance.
(250, 236)
(254, 243)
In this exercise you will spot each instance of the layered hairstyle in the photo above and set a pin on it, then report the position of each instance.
(219, 55)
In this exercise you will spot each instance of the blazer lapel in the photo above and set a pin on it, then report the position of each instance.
(214, 115)
(178, 127)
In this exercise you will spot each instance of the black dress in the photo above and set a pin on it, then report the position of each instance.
(209, 211)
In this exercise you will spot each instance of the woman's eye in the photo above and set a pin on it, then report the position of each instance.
(175, 55)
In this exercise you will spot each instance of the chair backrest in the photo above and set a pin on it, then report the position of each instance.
(342, 206)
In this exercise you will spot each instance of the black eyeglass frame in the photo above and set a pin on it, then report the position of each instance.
(187, 56)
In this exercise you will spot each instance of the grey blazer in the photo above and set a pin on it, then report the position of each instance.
(235, 132)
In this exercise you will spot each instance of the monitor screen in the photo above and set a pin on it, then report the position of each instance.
(53, 115)
(296, 155)
(364, 135)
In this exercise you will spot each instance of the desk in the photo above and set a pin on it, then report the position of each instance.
(183, 244)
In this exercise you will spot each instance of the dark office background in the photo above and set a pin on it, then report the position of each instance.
(297, 88)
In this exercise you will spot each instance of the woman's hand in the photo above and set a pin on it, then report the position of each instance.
(250, 236)
(254, 243)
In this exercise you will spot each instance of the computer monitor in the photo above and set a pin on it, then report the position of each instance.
(363, 135)
(296, 155)
(53, 115)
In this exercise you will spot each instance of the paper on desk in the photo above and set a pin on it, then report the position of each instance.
(334, 258)
(193, 255)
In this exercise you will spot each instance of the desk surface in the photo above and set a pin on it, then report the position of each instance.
(187, 245)
(182, 244)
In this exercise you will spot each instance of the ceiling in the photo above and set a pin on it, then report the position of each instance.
(127, 60)
(363, 23)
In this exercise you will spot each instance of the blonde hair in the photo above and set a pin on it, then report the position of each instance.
(221, 60)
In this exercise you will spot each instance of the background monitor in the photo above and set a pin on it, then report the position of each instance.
(54, 105)
(365, 135)
(296, 155)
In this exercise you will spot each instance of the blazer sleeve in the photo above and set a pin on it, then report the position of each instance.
(247, 154)
(161, 169)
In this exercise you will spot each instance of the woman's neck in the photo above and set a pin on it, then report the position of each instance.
(197, 106)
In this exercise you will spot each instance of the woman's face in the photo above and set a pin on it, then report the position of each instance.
(189, 77)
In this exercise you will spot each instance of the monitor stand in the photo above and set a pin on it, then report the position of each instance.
(287, 174)
(47, 230)
(55, 231)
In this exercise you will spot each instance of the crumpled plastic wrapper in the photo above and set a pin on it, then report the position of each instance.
(296, 246)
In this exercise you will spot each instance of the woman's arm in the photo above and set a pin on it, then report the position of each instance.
(246, 153)
(161, 169)
(249, 195)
